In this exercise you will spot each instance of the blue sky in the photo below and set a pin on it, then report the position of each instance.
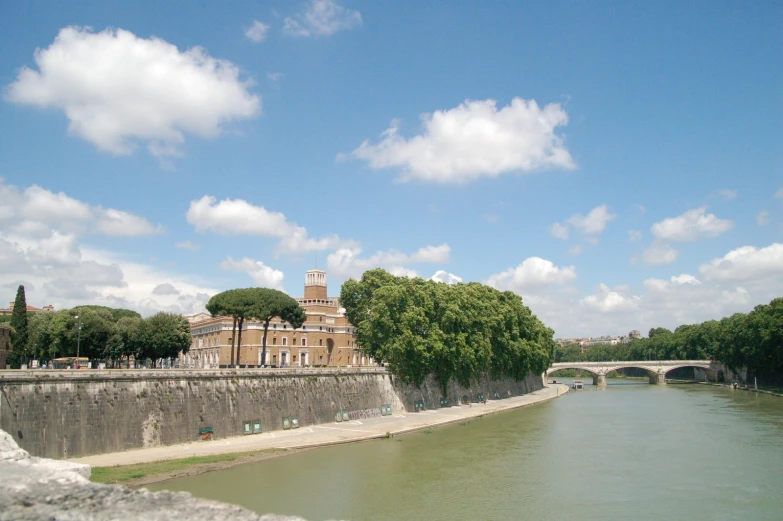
(619, 166)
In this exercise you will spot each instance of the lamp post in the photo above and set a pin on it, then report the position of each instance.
(78, 339)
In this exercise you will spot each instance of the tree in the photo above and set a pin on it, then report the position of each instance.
(19, 323)
(424, 328)
(270, 303)
(164, 335)
(234, 303)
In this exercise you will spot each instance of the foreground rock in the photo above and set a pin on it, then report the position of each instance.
(38, 488)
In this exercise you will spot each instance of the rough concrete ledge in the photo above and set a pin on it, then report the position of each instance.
(38, 488)
(91, 375)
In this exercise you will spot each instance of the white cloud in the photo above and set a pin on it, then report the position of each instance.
(660, 285)
(659, 253)
(746, 263)
(726, 194)
(165, 289)
(187, 245)
(322, 18)
(610, 300)
(576, 250)
(238, 217)
(474, 140)
(445, 277)
(778, 194)
(690, 226)
(275, 77)
(116, 89)
(491, 217)
(257, 32)
(534, 273)
(34, 211)
(346, 262)
(263, 275)
(123, 224)
(594, 222)
(558, 230)
(762, 219)
(634, 235)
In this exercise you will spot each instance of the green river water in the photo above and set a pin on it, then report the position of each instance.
(631, 452)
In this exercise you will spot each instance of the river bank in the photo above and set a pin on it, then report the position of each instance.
(745, 388)
(239, 450)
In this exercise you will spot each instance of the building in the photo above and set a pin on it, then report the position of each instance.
(325, 339)
(30, 309)
(634, 334)
(5, 344)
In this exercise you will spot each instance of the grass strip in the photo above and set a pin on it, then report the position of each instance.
(123, 473)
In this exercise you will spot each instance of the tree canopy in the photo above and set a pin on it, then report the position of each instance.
(19, 325)
(461, 332)
(262, 304)
(106, 333)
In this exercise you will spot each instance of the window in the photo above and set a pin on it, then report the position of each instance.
(304, 342)
(274, 341)
(320, 341)
(285, 340)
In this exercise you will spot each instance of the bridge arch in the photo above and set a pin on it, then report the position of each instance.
(656, 369)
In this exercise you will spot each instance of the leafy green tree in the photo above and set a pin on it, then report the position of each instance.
(233, 303)
(164, 335)
(19, 336)
(461, 332)
(270, 303)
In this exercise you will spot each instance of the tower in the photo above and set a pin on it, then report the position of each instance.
(315, 285)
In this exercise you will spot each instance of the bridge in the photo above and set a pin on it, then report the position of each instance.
(656, 369)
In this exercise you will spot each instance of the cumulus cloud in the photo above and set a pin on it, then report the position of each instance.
(610, 300)
(34, 211)
(576, 250)
(634, 235)
(558, 230)
(117, 89)
(472, 141)
(446, 277)
(238, 217)
(165, 289)
(746, 263)
(346, 262)
(257, 32)
(60, 271)
(690, 226)
(594, 222)
(659, 253)
(534, 273)
(322, 18)
(262, 275)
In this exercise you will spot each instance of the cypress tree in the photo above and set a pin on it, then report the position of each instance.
(19, 324)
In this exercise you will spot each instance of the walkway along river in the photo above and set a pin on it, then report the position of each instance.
(632, 451)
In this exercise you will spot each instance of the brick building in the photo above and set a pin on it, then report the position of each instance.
(326, 338)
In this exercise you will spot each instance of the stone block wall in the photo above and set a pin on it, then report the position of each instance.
(68, 414)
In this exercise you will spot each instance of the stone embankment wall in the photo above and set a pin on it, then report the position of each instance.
(69, 414)
(36, 488)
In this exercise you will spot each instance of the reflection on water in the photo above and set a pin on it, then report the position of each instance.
(632, 451)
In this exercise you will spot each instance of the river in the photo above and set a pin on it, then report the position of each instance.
(631, 452)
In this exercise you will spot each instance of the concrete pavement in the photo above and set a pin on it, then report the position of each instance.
(324, 434)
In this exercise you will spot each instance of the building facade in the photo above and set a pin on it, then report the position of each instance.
(325, 339)
(30, 309)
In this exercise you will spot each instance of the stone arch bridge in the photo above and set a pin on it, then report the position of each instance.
(656, 369)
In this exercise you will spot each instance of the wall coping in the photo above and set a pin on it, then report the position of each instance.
(96, 375)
